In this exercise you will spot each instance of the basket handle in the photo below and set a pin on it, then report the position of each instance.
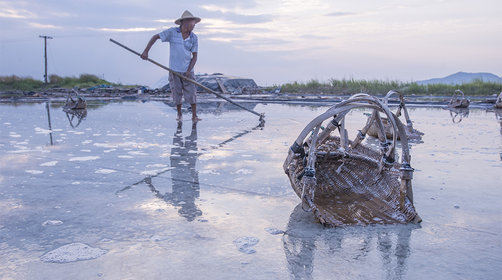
(402, 105)
(342, 108)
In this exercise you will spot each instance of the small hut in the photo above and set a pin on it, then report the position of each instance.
(225, 84)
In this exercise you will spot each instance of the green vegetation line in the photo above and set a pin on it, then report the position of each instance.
(333, 86)
(378, 87)
(55, 81)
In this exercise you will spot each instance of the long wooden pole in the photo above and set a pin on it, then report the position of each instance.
(262, 116)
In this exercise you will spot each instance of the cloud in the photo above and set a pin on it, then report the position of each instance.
(235, 15)
(228, 35)
(227, 6)
(133, 29)
(165, 20)
(268, 45)
(239, 18)
(44, 26)
(235, 30)
(339, 14)
(315, 37)
(7, 11)
(10, 13)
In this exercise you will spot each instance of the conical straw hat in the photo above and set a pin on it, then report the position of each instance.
(187, 15)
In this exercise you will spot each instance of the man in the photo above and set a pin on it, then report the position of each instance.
(183, 45)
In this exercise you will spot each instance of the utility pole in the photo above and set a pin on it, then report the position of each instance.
(45, 54)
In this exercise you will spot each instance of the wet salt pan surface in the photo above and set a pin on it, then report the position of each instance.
(141, 192)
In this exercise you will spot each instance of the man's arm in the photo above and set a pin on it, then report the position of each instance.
(152, 41)
(191, 65)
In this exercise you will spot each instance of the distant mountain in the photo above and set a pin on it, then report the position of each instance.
(462, 78)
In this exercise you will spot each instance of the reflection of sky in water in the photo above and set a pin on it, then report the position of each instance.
(128, 180)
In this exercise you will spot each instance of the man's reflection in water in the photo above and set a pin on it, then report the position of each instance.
(304, 236)
(185, 178)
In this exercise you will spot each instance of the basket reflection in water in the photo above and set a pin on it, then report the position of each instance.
(344, 182)
(306, 247)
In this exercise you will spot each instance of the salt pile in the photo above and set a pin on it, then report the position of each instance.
(244, 244)
(72, 252)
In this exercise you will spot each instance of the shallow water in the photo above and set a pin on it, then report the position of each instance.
(211, 201)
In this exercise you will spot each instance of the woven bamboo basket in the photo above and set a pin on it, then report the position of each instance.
(345, 182)
(72, 104)
(458, 100)
(498, 103)
(411, 133)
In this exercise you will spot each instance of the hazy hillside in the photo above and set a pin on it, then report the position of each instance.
(462, 78)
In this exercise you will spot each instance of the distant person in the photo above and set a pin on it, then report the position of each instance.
(182, 58)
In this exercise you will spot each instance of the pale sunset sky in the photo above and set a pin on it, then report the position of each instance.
(272, 42)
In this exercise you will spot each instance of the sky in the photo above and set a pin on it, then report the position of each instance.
(273, 42)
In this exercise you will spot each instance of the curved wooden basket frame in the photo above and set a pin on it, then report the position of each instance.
(402, 106)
